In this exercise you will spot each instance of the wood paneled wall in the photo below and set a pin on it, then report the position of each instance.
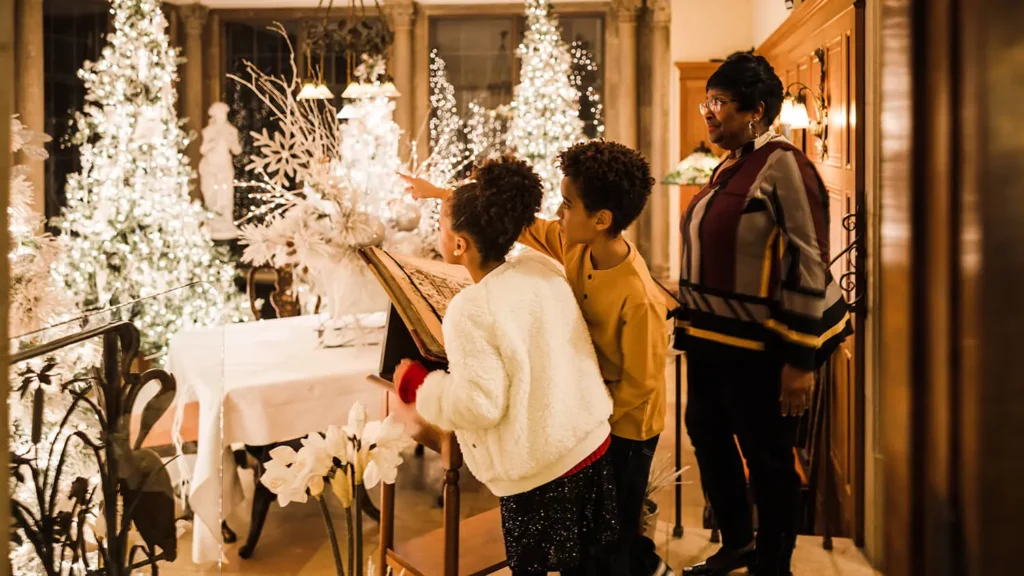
(833, 26)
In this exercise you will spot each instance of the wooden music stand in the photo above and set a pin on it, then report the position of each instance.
(445, 551)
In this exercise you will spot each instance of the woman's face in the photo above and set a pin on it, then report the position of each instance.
(728, 126)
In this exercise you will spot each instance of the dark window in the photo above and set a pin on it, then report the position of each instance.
(482, 65)
(73, 32)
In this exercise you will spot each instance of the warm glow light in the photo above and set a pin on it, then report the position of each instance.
(794, 114)
(348, 112)
(389, 90)
(308, 92)
(353, 90)
(323, 92)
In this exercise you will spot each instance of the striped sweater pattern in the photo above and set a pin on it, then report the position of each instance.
(754, 274)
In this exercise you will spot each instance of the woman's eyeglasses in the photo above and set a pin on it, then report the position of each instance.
(712, 104)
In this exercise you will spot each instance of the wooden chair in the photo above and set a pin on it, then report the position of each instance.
(471, 547)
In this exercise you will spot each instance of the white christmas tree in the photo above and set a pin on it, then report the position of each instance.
(545, 111)
(130, 229)
(369, 143)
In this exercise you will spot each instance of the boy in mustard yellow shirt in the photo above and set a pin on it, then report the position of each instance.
(605, 188)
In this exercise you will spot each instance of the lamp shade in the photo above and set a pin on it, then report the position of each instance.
(794, 114)
(348, 112)
(323, 92)
(353, 90)
(308, 92)
(389, 90)
(695, 169)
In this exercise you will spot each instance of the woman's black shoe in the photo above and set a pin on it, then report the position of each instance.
(722, 562)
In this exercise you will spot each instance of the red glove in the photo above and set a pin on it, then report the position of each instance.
(409, 376)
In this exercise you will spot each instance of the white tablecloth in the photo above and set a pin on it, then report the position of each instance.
(258, 383)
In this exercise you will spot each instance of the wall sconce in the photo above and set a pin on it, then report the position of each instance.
(794, 108)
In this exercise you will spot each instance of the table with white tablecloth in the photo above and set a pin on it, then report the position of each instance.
(259, 383)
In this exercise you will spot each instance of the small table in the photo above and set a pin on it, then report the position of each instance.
(260, 383)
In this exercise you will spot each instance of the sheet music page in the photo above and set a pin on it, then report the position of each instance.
(437, 281)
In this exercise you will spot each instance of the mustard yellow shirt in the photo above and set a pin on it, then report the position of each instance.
(626, 314)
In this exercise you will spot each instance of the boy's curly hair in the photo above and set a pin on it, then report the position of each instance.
(609, 176)
(493, 209)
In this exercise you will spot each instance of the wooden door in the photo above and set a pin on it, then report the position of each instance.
(693, 77)
(952, 267)
(818, 47)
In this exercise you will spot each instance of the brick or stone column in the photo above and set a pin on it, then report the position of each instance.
(419, 96)
(623, 118)
(626, 99)
(29, 87)
(611, 74)
(659, 219)
(214, 58)
(194, 18)
(402, 15)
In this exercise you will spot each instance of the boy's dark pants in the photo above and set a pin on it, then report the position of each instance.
(631, 462)
(727, 397)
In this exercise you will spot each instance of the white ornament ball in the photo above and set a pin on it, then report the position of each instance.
(406, 243)
(407, 216)
(367, 230)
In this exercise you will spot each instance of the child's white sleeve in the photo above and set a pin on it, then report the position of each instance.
(473, 393)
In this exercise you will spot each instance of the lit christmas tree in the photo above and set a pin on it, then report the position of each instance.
(130, 229)
(584, 78)
(546, 110)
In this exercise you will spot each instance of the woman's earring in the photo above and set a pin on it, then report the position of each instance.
(753, 129)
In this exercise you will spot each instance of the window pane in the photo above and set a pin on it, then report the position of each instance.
(72, 33)
(478, 53)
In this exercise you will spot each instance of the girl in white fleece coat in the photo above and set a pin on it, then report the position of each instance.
(523, 391)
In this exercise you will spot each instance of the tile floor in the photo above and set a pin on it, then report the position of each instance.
(294, 540)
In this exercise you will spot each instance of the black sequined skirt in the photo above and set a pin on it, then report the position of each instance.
(562, 525)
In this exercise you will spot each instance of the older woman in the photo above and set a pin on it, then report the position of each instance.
(761, 313)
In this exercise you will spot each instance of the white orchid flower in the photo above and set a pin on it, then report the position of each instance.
(388, 440)
(337, 444)
(356, 420)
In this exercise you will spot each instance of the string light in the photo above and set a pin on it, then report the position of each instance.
(129, 228)
(545, 113)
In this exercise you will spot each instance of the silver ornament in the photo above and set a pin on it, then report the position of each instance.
(407, 216)
(405, 243)
(365, 230)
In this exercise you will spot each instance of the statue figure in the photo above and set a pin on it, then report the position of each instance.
(217, 172)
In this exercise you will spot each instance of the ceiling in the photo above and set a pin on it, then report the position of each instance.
(270, 4)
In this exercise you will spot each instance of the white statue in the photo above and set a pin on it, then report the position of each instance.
(217, 172)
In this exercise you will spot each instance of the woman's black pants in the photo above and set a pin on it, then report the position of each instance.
(730, 399)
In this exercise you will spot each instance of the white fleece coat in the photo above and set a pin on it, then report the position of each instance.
(523, 391)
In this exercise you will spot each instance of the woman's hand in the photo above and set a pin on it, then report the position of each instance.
(420, 189)
(796, 390)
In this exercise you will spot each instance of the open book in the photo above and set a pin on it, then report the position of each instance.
(420, 291)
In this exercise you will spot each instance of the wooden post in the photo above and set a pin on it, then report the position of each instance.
(451, 462)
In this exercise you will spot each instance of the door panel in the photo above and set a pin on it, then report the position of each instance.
(831, 27)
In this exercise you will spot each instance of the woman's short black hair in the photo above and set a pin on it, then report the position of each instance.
(609, 176)
(502, 199)
(750, 79)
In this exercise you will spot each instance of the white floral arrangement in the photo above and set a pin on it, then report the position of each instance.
(359, 453)
(695, 169)
(345, 166)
